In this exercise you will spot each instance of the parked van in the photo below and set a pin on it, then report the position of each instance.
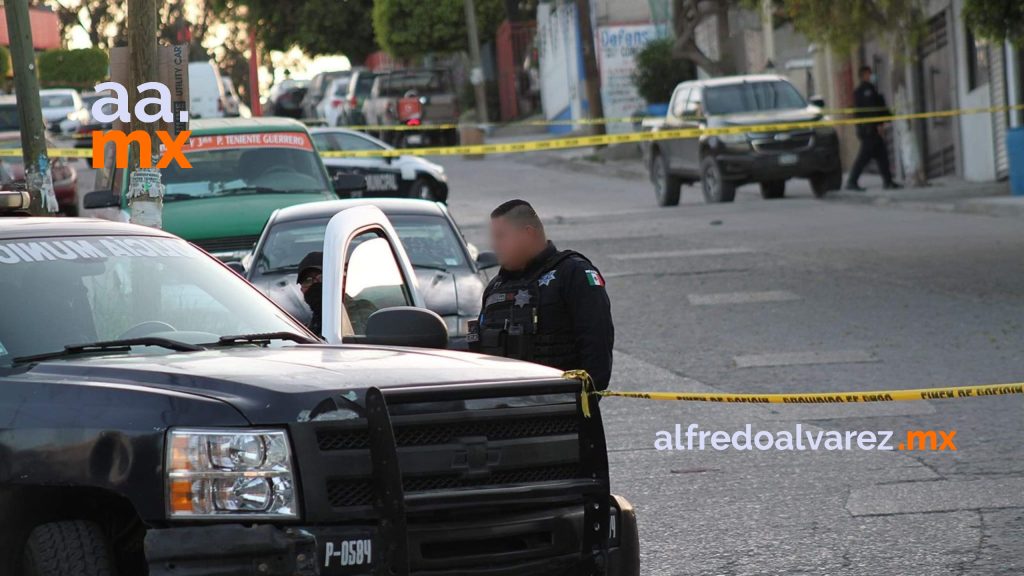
(206, 91)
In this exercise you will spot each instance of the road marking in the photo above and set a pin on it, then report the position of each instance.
(803, 358)
(938, 496)
(681, 253)
(741, 297)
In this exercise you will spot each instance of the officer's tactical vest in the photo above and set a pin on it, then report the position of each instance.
(509, 321)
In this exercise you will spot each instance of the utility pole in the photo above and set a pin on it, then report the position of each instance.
(476, 77)
(254, 74)
(145, 192)
(591, 75)
(38, 179)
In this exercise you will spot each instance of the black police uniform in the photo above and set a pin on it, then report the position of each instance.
(555, 312)
(872, 145)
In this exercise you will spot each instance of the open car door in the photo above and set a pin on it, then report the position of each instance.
(370, 293)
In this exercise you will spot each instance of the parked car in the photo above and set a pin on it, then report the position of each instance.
(206, 91)
(10, 117)
(403, 176)
(82, 135)
(59, 104)
(242, 170)
(723, 162)
(316, 92)
(359, 87)
(334, 102)
(450, 271)
(285, 98)
(65, 177)
(413, 98)
(161, 416)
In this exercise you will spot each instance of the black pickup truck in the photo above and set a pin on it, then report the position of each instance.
(158, 415)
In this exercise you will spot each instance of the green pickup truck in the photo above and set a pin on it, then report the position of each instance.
(242, 170)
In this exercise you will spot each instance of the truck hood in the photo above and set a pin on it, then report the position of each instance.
(229, 216)
(281, 385)
(809, 114)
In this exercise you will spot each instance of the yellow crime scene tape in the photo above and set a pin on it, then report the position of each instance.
(951, 393)
(566, 122)
(598, 140)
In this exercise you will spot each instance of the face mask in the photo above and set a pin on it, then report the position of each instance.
(314, 297)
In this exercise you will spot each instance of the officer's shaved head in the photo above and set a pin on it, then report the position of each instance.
(517, 234)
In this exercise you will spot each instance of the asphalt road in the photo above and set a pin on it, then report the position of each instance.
(787, 296)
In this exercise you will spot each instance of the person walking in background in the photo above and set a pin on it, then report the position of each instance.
(870, 103)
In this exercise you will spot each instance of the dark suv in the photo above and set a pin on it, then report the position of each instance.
(723, 162)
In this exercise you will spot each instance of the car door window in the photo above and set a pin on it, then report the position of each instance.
(325, 142)
(373, 280)
(694, 106)
(679, 102)
(352, 142)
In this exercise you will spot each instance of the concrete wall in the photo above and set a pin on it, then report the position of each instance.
(976, 131)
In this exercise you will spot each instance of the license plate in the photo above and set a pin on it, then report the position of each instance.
(342, 556)
(788, 159)
(381, 183)
(414, 139)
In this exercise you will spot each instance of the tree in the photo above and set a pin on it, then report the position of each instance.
(410, 28)
(997, 20)
(659, 71)
(687, 16)
(73, 68)
(314, 26)
(102, 20)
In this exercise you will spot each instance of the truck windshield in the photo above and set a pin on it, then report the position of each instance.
(752, 97)
(56, 292)
(232, 164)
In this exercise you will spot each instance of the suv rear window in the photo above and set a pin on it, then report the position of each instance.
(752, 97)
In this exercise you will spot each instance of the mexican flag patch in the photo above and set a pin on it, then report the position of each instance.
(594, 278)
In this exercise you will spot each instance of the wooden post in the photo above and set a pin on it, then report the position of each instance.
(477, 75)
(255, 106)
(38, 179)
(145, 192)
(591, 75)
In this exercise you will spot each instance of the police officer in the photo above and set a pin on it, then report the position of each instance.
(872, 144)
(311, 283)
(545, 305)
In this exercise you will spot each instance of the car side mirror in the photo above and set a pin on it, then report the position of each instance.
(817, 101)
(101, 199)
(236, 266)
(486, 260)
(406, 326)
(347, 184)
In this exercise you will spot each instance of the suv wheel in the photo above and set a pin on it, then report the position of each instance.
(666, 186)
(824, 182)
(715, 188)
(73, 548)
(773, 189)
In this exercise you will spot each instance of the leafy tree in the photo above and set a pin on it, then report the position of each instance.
(314, 26)
(76, 68)
(410, 28)
(997, 20)
(844, 24)
(102, 20)
(687, 16)
(659, 71)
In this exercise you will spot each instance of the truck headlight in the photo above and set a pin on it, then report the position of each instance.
(230, 472)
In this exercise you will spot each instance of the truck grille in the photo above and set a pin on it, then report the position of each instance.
(423, 435)
(230, 244)
(783, 141)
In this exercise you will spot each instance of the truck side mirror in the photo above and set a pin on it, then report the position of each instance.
(486, 260)
(406, 326)
(347, 184)
(101, 199)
